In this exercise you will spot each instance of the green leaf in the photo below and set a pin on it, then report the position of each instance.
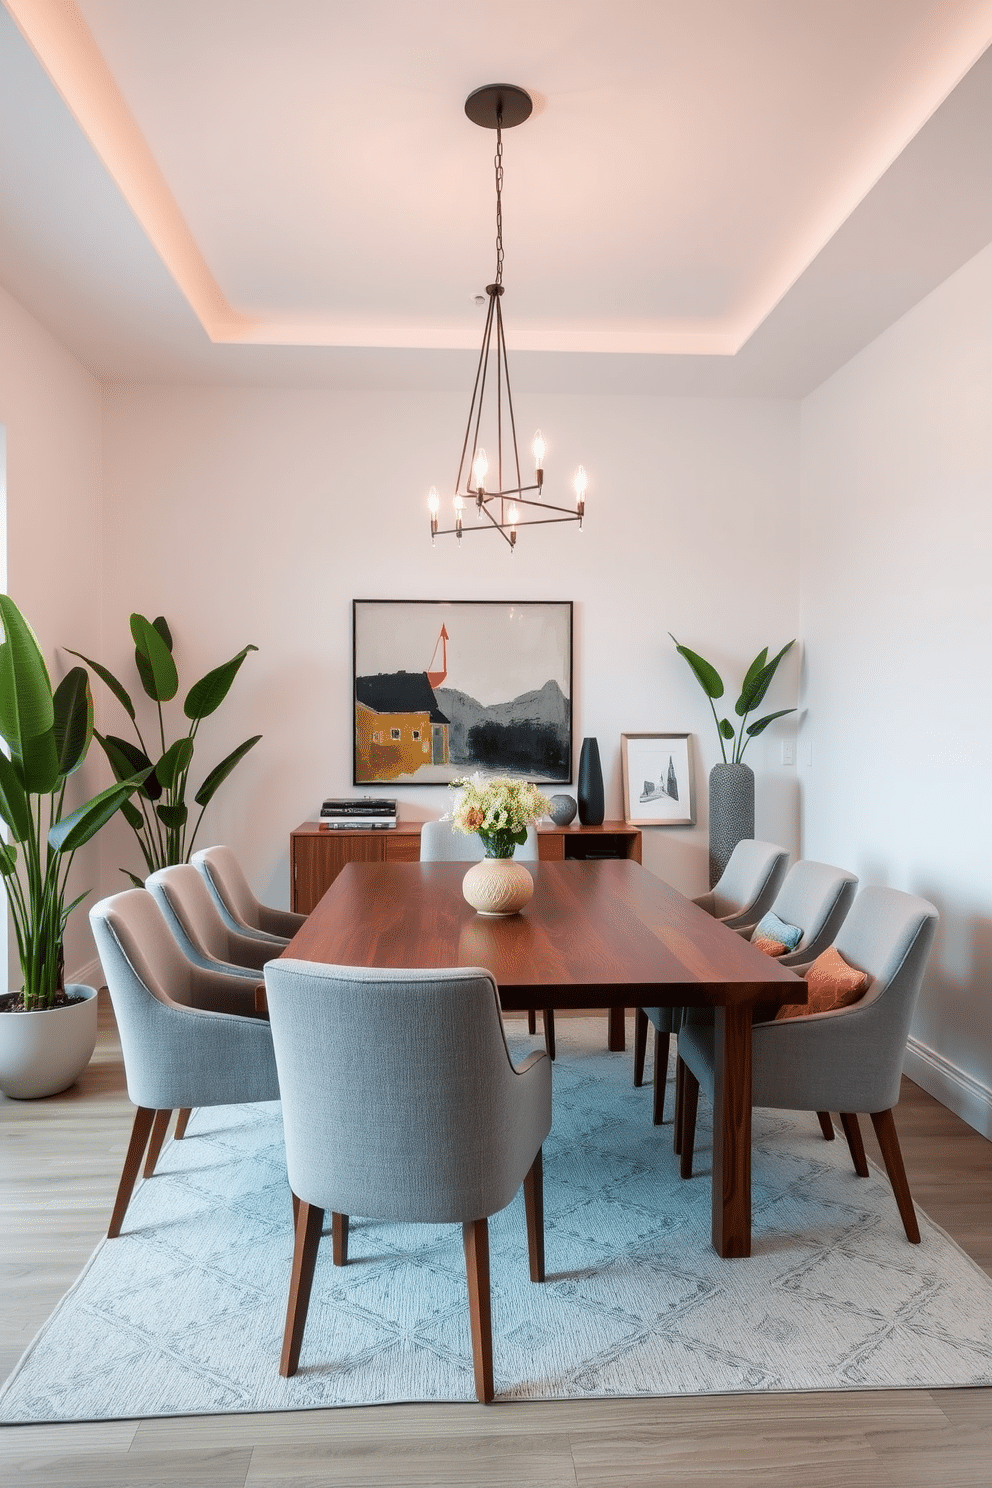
(139, 883)
(132, 816)
(27, 714)
(76, 829)
(172, 764)
(753, 696)
(162, 626)
(15, 808)
(205, 696)
(73, 706)
(707, 676)
(174, 817)
(119, 691)
(153, 659)
(726, 729)
(739, 707)
(8, 859)
(67, 909)
(220, 772)
(127, 760)
(762, 723)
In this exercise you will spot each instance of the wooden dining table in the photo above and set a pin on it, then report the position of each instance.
(595, 934)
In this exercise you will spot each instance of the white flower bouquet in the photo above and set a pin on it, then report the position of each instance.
(499, 810)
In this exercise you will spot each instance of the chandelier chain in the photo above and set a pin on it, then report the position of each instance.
(498, 164)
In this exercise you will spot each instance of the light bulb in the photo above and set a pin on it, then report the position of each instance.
(514, 516)
(580, 484)
(539, 448)
(433, 501)
(479, 468)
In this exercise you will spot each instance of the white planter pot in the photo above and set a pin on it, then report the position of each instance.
(43, 1053)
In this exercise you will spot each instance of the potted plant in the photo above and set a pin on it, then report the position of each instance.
(731, 781)
(47, 1030)
(499, 811)
(160, 816)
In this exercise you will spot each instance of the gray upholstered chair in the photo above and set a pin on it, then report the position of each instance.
(816, 897)
(743, 893)
(846, 1060)
(190, 1036)
(239, 909)
(441, 843)
(426, 1122)
(192, 915)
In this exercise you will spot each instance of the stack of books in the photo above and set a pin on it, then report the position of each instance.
(361, 814)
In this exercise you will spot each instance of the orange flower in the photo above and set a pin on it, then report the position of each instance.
(475, 817)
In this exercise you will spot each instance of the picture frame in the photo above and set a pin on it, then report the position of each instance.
(658, 788)
(443, 688)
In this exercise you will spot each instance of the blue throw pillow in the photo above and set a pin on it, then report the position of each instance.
(774, 936)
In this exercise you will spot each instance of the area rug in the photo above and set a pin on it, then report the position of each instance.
(183, 1314)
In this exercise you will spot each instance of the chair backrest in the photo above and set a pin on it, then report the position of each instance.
(397, 1090)
(174, 1054)
(816, 897)
(226, 881)
(190, 912)
(751, 879)
(851, 1059)
(441, 843)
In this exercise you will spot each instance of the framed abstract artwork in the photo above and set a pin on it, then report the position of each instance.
(657, 780)
(443, 688)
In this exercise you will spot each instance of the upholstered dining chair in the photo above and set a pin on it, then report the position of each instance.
(427, 1122)
(192, 915)
(239, 908)
(190, 1036)
(441, 843)
(848, 1059)
(742, 894)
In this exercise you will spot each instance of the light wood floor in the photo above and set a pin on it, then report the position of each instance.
(60, 1160)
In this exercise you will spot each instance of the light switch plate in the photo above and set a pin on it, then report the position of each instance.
(788, 752)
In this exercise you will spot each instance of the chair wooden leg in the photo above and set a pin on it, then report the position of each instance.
(531, 1020)
(182, 1122)
(679, 1106)
(826, 1125)
(690, 1100)
(309, 1223)
(534, 1205)
(888, 1140)
(549, 1031)
(339, 1239)
(143, 1118)
(159, 1128)
(852, 1131)
(660, 1077)
(640, 1044)
(475, 1234)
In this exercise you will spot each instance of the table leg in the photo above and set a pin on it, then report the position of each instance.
(616, 1034)
(731, 1225)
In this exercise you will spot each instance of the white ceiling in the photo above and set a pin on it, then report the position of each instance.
(711, 195)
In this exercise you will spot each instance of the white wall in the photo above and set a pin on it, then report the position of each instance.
(896, 743)
(51, 409)
(246, 515)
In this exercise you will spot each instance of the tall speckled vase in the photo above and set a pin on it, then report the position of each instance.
(592, 805)
(731, 813)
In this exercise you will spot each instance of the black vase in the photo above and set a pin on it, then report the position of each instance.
(590, 790)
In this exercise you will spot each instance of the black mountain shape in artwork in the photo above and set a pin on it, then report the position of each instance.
(528, 735)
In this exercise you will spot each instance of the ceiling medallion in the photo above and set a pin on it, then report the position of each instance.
(508, 506)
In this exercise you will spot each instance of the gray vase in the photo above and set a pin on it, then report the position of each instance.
(731, 813)
(562, 810)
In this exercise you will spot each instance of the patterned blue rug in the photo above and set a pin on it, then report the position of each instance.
(184, 1313)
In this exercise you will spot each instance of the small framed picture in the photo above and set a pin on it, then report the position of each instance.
(657, 780)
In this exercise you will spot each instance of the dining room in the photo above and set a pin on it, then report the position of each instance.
(251, 479)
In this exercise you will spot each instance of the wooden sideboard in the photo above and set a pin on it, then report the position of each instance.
(317, 854)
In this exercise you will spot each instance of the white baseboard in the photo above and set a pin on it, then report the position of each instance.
(958, 1091)
(90, 975)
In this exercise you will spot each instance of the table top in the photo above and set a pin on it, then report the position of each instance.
(594, 933)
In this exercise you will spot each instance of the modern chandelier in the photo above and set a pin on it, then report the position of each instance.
(509, 506)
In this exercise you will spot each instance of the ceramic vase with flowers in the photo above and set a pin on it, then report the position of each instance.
(499, 811)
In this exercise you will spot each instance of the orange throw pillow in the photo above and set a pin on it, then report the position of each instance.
(832, 984)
